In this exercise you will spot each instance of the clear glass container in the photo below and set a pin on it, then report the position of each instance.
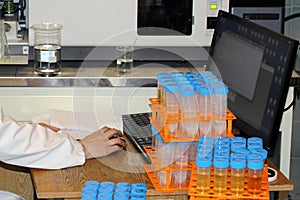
(124, 60)
(47, 49)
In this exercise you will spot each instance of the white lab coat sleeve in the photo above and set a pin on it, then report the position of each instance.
(35, 146)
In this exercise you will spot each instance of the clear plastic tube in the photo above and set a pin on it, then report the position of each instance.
(90, 190)
(219, 109)
(220, 175)
(244, 151)
(122, 190)
(172, 106)
(254, 142)
(236, 144)
(203, 174)
(188, 108)
(205, 110)
(140, 186)
(192, 152)
(237, 178)
(239, 139)
(255, 168)
(180, 176)
(260, 151)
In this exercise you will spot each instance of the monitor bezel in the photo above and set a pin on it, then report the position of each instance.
(246, 129)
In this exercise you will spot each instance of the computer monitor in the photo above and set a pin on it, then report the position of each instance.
(256, 64)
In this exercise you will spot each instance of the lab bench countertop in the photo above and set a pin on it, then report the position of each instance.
(123, 166)
(87, 74)
(97, 74)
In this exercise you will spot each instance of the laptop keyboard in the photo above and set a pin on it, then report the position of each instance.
(137, 128)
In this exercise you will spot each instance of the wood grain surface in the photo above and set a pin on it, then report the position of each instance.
(124, 166)
(16, 180)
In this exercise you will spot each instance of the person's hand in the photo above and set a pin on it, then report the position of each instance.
(102, 143)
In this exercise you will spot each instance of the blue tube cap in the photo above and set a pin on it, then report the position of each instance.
(255, 164)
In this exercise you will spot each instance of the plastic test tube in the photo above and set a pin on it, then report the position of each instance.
(188, 110)
(236, 144)
(239, 139)
(162, 79)
(238, 166)
(255, 170)
(119, 196)
(244, 151)
(122, 190)
(182, 148)
(140, 186)
(260, 151)
(166, 152)
(192, 151)
(222, 141)
(172, 105)
(106, 190)
(205, 109)
(180, 176)
(205, 146)
(221, 152)
(254, 142)
(90, 190)
(220, 174)
(219, 108)
(203, 174)
(138, 191)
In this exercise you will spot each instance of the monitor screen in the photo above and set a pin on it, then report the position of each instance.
(256, 64)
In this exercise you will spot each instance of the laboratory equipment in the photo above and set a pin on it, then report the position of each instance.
(172, 103)
(14, 15)
(181, 175)
(188, 103)
(205, 109)
(263, 60)
(124, 60)
(116, 20)
(237, 177)
(4, 49)
(203, 173)
(47, 49)
(221, 165)
(255, 170)
(219, 99)
(266, 13)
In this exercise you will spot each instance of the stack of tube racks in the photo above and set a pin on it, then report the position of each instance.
(159, 112)
(195, 194)
(162, 175)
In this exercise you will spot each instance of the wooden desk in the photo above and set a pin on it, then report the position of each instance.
(67, 183)
(282, 184)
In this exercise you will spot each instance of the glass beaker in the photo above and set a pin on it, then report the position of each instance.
(124, 60)
(47, 49)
